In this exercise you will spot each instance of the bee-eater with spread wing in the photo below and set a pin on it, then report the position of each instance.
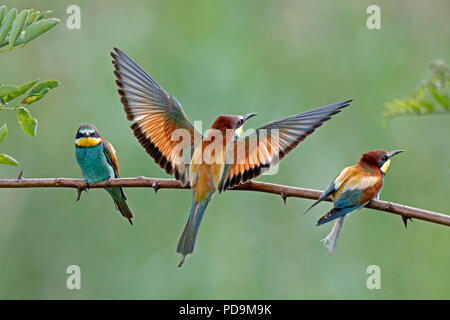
(158, 119)
(356, 185)
(98, 162)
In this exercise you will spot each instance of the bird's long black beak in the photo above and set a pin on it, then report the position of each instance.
(392, 153)
(249, 115)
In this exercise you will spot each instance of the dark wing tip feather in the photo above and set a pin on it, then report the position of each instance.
(135, 88)
(119, 83)
(331, 215)
(123, 98)
(152, 150)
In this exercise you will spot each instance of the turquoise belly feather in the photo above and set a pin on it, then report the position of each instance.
(93, 163)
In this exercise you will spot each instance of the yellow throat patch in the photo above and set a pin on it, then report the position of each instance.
(384, 168)
(87, 142)
(238, 131)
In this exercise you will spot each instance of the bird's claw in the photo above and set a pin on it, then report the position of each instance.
(20, 177)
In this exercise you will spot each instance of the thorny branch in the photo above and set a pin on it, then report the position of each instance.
(284, 191)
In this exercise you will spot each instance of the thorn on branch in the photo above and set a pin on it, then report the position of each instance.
(283, 191)
(155, 186)
(405, 221)
(283, 196)
(81, 189)
(20, 177)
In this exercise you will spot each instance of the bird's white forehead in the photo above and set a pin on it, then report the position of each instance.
(87, 130)
(241, 118)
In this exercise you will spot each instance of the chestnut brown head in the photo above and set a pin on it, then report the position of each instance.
(231, 122)
(379, 158)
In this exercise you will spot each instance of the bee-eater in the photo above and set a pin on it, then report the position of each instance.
(158, 118)
(357, 185)
(98, 162)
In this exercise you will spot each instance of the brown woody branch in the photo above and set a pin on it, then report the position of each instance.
(283, 191)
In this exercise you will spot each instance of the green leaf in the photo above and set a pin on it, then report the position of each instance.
(45, 14)
(441, 98)
(5, 159)
(427, 105)
(3, 132)
(17, 27)
(35, 97)
(414, 105)
(7, 23)
(3, 10)
(40, 91)
(39, 27)
(21, 90)
(6, 90)
(50, 84)
(421, 101)
(26, 121)
(32, 17)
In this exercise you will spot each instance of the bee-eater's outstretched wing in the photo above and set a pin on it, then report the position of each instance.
(110, 154)
(252, 155)
(157, 116)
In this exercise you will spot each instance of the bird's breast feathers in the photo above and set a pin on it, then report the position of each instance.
(87, 142)
(356, 178)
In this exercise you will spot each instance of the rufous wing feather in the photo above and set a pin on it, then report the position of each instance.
(157, 117)
(254, 154)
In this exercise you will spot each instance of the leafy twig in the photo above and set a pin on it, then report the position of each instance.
(19, 28)
(432, 97)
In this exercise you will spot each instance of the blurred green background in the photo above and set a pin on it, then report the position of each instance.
(276, 58)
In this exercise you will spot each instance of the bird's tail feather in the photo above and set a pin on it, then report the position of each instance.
(334, 214)
(120, 202)
(187, 240)
(313, 205)
(124, 209)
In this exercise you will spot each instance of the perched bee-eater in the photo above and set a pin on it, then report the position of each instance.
(357, 185)
(159, 120)
(98, 162)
